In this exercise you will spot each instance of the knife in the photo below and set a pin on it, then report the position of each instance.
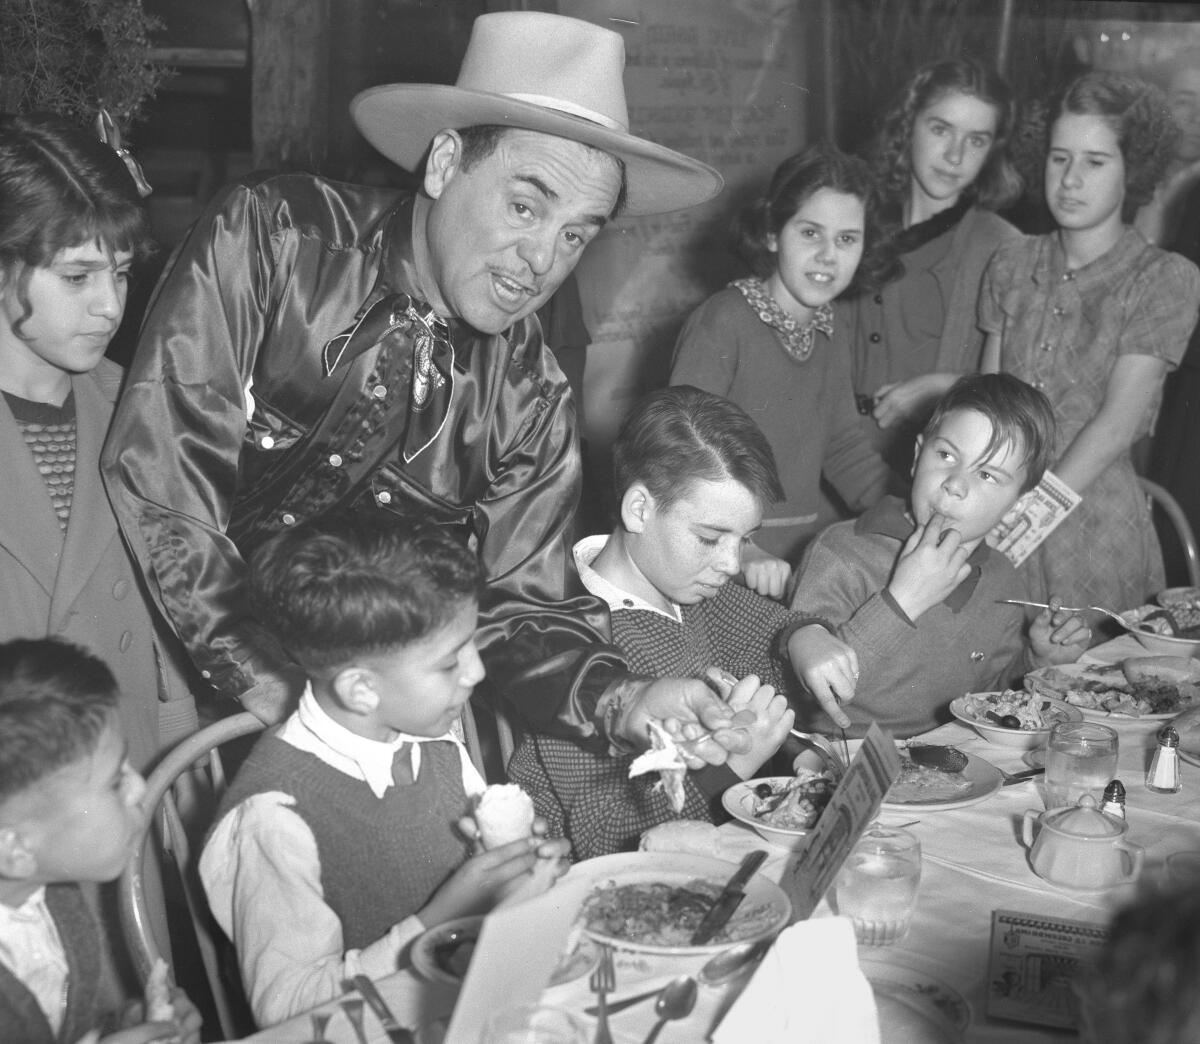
(731, 895)
(397, 1034)
(1020, 777)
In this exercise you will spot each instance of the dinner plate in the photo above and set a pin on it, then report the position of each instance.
(579, 959)
(1052, 710)
(764, 912)
(915, 1006)
(984, 779)
(1037, 678)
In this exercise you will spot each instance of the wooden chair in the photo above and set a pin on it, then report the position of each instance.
(1171, 510)
(164, 796)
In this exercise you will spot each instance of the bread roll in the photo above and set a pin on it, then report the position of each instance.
(503, 813)
(682, 835)
(1179, 670)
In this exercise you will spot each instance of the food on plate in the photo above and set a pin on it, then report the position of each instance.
(1171, 621)
(1132, 691)
(797, 804)
(1032, 710)
(158, 993)
(665, 758)
(658, 914)
(503, 813)
(917, 783)
(682, 835)
(1179, 670)
(453, 954)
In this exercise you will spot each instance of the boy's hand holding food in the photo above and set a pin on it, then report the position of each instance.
(827, 666)
(1058, 637)
(932, 563)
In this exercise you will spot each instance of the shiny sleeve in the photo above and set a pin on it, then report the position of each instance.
(170, 462)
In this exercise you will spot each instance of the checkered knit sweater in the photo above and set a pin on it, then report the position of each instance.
(588, 797)
(49, 432)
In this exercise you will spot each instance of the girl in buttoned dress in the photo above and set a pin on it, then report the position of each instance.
(941, 169)
(1096, 316)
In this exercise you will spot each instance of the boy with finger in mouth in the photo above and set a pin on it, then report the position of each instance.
(912, 593)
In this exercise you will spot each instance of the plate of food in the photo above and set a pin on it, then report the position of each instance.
(443, 953)
(1163, 631)
(1013, 719)
(652, 902)
(915, 1006)
(782, 809)
(933, 788)
(1150, 687)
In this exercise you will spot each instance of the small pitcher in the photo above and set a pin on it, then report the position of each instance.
(1079, 846)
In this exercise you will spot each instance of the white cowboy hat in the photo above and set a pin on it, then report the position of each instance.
(541, 72)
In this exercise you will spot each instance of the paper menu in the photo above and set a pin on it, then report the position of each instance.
(855, 803)
(1033, 518)
(1032, 964)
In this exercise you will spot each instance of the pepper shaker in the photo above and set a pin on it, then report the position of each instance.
(1114, 799)
(1163, 775)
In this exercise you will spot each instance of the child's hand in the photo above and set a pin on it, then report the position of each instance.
(484, 879)
(1058, 637)
(764, 573)
(773, 719)
(896, 402)
(932, 563)
(827, 666)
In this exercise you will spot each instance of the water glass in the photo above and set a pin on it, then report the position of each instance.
(1081, 758)
(877, 885)
(534, 1024)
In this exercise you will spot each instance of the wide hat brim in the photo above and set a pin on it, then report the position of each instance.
(401, 119)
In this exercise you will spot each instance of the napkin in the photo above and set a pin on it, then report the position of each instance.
(808, 987)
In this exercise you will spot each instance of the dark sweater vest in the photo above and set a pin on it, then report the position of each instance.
(381, 858)
(22, 1020)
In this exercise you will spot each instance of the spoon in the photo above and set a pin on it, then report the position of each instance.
(729, 963)
(676, 1001)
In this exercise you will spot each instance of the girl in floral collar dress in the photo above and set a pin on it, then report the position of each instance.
(770, 344)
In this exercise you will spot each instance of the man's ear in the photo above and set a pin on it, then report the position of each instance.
(636, 506)
(17, 861)
(443, 162)
(916, 455)
(355, 689)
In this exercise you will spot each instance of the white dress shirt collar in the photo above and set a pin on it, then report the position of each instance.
(585, 552)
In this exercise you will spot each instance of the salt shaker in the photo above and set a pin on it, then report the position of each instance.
(1163, 776)
(1114, 799)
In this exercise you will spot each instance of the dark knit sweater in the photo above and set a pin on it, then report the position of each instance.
(381, 858)
(22, 1020)
(589, 798)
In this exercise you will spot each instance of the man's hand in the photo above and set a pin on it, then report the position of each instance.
(773, 719)
(1058, 637)
(827, 666)
(764, 573)
(932, 563)
(686, 708)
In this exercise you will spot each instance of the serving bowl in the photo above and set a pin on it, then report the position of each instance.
(1154, 643)
(1052, 710)
(740, 799)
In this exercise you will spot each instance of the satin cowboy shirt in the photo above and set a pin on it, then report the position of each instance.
(274, 381)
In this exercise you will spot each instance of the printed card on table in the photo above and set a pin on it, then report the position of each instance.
(1033, 963)
(1033, 518)
(855, 803)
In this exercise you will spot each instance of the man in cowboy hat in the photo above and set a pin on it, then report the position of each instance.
(315, 345)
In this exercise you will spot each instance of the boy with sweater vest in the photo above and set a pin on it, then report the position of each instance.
(346, 833)
(692, 474)
(913, 594)
(70, 814)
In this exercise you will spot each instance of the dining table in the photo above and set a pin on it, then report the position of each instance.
(973, 863)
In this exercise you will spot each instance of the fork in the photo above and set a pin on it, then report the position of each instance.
(1074, 609)
(602, 982)
(320, 1019)
(353, 1007)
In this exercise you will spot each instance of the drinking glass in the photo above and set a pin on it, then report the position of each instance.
(877, 884)
(534, 1024)
(1081, 758)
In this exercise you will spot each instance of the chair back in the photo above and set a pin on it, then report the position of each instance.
(164, 795)
(1179, 522)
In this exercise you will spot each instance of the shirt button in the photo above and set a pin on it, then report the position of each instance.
(1060, 312)
(879, 298)
(335, 460)
(266, 442)
(120, 589)
(125, 641)
(379, 391)
(977, 657)
(1046, 346)
(874, 338)
(383, 498)
(206, 674)
(287, 518)
(1068, 276)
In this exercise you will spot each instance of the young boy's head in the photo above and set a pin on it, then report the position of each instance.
(989, 440)
(380, 611)
(70, 804)
(692, 472)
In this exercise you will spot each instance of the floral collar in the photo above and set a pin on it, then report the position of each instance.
(797, 340)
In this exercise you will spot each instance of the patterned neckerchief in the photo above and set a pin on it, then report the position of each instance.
(797, 340)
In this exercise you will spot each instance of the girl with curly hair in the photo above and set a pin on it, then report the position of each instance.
(941, 168)
(770, 343)
(1095, 316)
